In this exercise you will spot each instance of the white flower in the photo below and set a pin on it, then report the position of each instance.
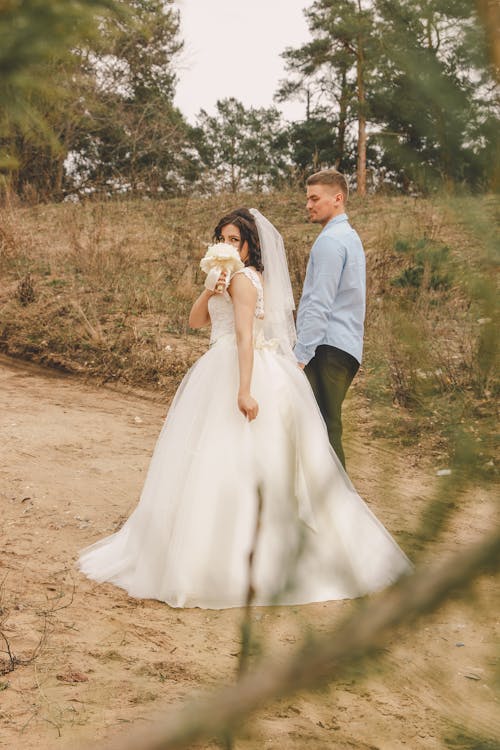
(223, 256)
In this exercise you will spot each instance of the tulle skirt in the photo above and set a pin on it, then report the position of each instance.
(219, 488)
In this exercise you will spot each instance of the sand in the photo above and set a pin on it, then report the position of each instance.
(91, 661)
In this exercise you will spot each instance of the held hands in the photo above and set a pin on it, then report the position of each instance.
(248, 406)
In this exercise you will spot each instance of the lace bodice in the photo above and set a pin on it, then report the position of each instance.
(220, 308)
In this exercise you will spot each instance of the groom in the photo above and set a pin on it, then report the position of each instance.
(332, 307)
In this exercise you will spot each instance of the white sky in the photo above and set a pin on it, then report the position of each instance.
(232, 48)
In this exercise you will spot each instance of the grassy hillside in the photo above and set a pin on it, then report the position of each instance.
(105, 289)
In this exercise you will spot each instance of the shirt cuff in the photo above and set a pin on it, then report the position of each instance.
(303, 354)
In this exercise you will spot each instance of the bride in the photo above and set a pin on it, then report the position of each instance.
(243, 463)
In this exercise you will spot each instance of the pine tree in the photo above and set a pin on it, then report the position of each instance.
(337, 65)
(241, 148)
(36, 39)
(435, 102)
(101, 113)
(133, 138)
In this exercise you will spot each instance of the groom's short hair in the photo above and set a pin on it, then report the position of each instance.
(331, 177)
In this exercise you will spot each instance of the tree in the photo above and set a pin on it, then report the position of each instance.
(133, 138)
(435, 103)
(337, 66)
(416, 77)
(36, 37)
(241, 148)
(313, 145)
(107, 122)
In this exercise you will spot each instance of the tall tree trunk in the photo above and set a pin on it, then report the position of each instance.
(233, 166)
(233, 177)
(343, 102)
(361, 163)
(360, 73)
(65, 138)
(489, 13)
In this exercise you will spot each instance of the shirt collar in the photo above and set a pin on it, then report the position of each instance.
(336, 220)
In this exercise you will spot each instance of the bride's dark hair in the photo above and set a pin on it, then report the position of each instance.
(243, 219)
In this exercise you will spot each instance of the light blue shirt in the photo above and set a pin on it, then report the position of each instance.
(332, 306)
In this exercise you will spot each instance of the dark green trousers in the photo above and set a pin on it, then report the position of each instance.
(330, 373)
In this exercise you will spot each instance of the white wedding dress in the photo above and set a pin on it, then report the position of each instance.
(188, 541)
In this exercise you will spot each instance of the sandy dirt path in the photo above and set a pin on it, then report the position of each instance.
(73, 459)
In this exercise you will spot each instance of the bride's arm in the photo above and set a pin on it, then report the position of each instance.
(244, 297)
(199, 317)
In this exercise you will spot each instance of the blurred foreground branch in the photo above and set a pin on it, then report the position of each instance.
(322, 658)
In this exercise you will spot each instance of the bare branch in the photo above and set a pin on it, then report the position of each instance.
(325, 657)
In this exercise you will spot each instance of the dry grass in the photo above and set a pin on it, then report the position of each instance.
(105, 289)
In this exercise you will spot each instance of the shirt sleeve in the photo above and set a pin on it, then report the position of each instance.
(327, 262)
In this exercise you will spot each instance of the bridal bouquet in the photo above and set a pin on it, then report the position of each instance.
(218, 258)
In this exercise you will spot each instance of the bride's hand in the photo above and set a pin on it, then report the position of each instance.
(220, 287)
(216, 284)
(248, 406)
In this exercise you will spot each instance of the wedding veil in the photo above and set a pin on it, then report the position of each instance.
(278, 295)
